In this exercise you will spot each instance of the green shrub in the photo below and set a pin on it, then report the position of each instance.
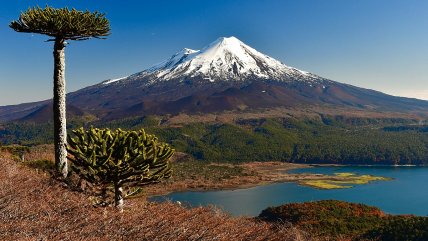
(401, 228)
(329, 218)
(119, 158)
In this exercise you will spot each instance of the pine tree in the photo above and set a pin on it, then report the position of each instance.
(61, 25)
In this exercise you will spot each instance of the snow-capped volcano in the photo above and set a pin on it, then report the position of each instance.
(224, 59)
(226, 75)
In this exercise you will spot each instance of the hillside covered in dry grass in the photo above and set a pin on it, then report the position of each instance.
(33, 206)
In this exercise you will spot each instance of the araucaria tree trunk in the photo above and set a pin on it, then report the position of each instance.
(61, 24)
(59, 108)
(118, 197)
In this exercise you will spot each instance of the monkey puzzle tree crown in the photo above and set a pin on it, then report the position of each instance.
(62, 23)
(121, 158)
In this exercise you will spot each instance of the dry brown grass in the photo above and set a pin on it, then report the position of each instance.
(41, 152)
(36, 207)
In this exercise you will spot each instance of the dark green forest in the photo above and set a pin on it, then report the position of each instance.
(348, 221)
(327, 140)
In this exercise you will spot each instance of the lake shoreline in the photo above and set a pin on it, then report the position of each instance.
(259, 174)
(364, 165)
(257, 170)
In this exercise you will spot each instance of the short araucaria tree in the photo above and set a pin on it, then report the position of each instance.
(61, 25)
(119, 158)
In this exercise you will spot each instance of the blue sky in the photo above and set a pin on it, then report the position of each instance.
(377, 44)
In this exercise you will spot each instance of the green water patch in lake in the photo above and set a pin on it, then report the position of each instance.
(342, 180)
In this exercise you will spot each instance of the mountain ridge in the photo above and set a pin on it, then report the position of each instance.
(227, 58)
(225, 75)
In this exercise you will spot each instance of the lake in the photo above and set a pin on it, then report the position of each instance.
(406, 194)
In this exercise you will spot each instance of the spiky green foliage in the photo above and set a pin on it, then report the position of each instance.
(62, 23)
(131, 158)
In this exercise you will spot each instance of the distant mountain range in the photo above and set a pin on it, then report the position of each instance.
(225, 75)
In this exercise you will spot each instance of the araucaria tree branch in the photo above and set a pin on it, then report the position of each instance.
(119, 158)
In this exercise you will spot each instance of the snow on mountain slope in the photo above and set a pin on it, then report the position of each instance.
(113, 80)
(226, 75)
(227, 59)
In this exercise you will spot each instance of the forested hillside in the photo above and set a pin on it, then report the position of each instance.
(327, 140)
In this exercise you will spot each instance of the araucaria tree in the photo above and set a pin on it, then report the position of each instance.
(61, 25)
(119, 158)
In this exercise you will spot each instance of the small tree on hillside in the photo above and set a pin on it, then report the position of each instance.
(119, 158)
(61, 25)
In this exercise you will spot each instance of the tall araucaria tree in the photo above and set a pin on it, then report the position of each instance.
(61, 25)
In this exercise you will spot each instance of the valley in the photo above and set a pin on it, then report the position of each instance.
(318, 138)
